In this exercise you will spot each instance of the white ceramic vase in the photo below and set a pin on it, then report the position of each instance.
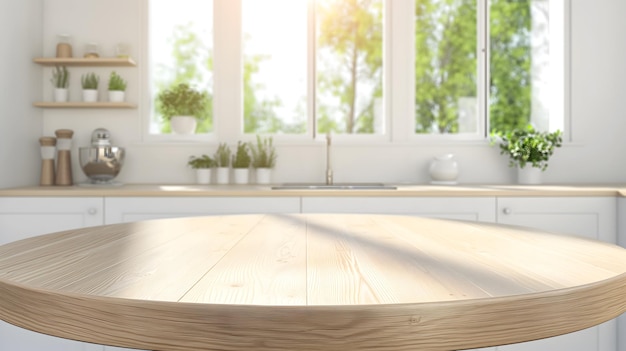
(203, 175)
(529, 175)
(222, 175)
(263, 175)
(184, 125)
(444, 169)
(90, 95)
(61, 95)
(116, 95)
(241, 175)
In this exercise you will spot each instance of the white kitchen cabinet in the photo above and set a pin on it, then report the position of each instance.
(24, 217)
(464, 208)
(590, 217)
(131, 209)
(621, 240)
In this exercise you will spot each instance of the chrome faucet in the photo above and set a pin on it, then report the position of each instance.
(329, 171)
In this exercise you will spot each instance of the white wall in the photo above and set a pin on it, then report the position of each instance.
(597, 103)
(20, 85)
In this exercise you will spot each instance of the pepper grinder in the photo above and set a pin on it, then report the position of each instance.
(47, 160)
(64, 157)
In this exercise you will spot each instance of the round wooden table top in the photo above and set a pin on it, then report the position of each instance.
(309, 282)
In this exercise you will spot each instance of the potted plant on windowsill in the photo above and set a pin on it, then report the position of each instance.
(222, 162)
(528, 150)
(241, 163)
(182, 106)
(263, 156)
(60, 81)
(202, 165)
(117, 88)
(90, 83)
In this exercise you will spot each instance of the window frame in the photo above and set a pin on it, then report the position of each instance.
(398, 87)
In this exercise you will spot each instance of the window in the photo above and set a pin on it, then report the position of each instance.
(515, 40)
(397, 69)
(180, 51)
(275, 54)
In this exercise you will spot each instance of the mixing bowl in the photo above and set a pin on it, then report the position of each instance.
(101, 164)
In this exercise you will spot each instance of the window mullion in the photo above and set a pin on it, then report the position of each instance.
(401, 92)
(482, 19)
(228, 103)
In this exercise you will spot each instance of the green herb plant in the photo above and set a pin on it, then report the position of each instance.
(182, 100)
(528, 146)
(263, 153)
(116, 82)
(241, 159)
(90, 81)
(60, 77)
(203, 161)
(222, 155)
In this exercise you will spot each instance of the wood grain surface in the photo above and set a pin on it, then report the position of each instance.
(309, 282)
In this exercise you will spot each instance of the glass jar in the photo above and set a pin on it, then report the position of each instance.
(91, 50)
(64, 46)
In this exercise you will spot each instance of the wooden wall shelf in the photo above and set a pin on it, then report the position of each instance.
(84, 105)
(93, 62)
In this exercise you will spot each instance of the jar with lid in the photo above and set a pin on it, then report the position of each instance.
(64, 46)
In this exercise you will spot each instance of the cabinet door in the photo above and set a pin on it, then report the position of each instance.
(121, 210)
(25, 217)
(590, 217)
(463, 208)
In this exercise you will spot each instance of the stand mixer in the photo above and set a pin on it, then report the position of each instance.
(101, 162)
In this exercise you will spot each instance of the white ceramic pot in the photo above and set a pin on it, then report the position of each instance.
(116, 95)
(529, 175)
(90, 95)
(263, 175)
(61, 95)
(203, 175)
(444, 169)
(241, 175)
(222, 175)
(183, 125)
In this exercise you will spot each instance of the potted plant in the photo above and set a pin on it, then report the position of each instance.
(90, 83)
(181, 106)
(263, 156)
(60, 81)
(241, 163)
(117, 87)
(202, 165)
(222, 162)
(528, 147)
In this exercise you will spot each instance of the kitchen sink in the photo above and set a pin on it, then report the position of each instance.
(335, 186)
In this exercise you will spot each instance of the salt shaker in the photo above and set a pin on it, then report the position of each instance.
(47, 160)
(64, 157)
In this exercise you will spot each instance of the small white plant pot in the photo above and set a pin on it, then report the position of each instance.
(222, 175)
(183, 125)
(90, 95)
(529, 175)
(241, 175)
(116, 95)
(203, 176)
(263, 175)
(61, 95)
